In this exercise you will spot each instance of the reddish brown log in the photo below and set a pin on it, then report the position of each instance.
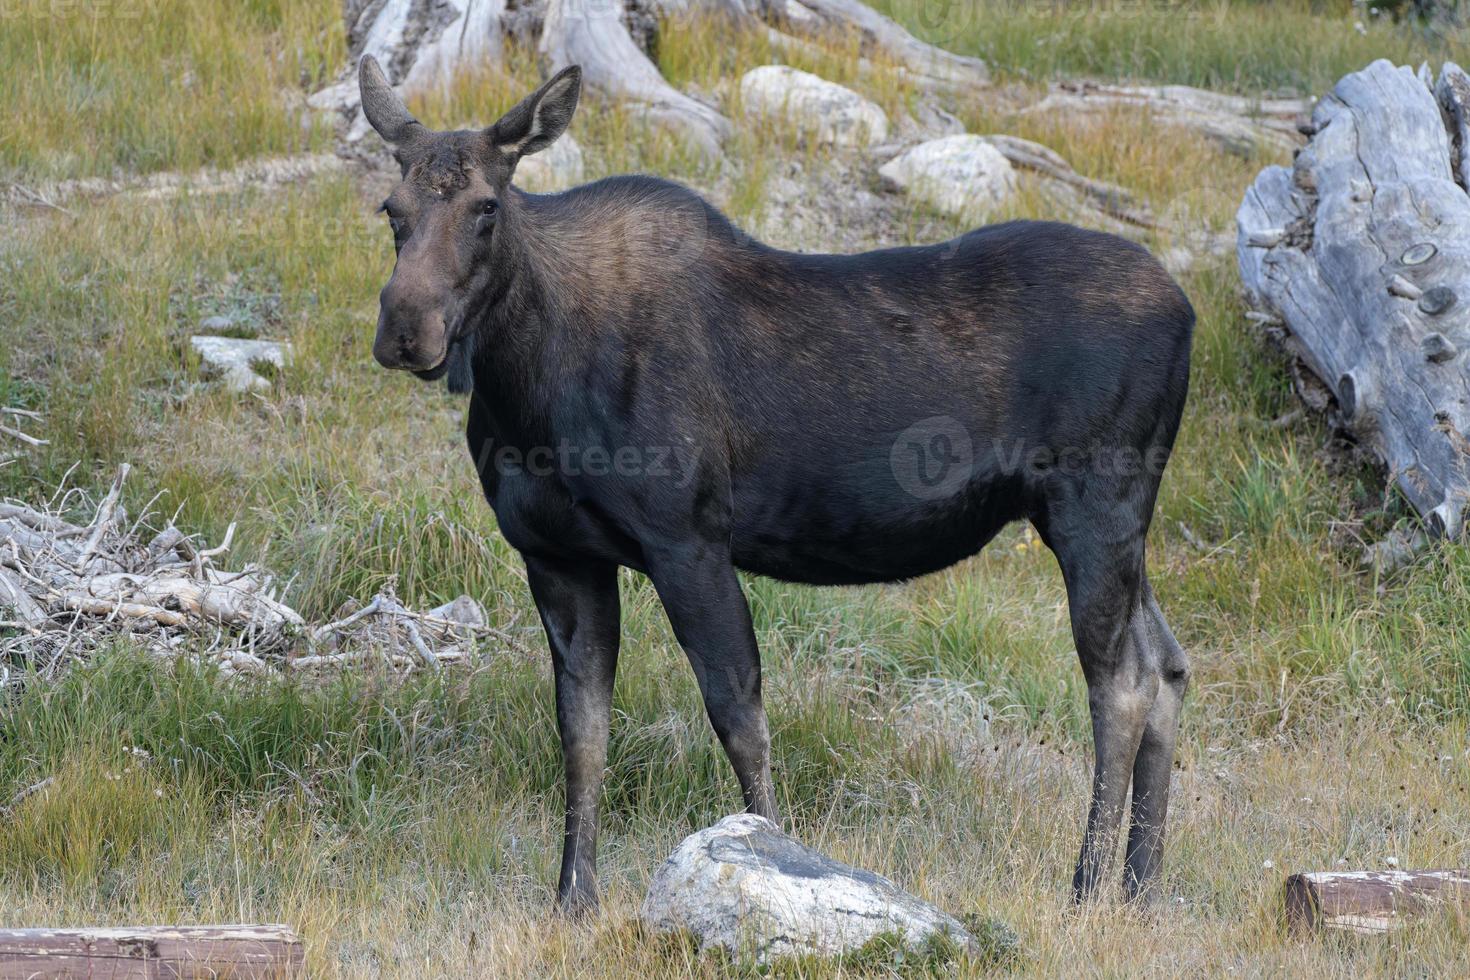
(240, 952)
(1369, 901)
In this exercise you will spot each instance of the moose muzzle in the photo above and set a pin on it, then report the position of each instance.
(412, 334)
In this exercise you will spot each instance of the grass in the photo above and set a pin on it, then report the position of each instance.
(94, 89)
(1247, 46)
(935, 731)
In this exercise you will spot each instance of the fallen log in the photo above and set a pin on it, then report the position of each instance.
(149, 952)
(1369, 901)
(1362, 250)
(1110, 199)
(828, 19)
(1241, 126)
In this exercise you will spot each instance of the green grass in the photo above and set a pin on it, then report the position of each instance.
(1246, 46)
(96, 89)
(935, 731)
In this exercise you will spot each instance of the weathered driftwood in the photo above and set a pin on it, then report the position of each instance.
(1369, 901)
(592, 33)
(149, 952)
(66, 588)
(1108, 198)
(1362, 251)
(1241, 125)
(878, 34)
(256, 174)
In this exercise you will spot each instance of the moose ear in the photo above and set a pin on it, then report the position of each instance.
(382, 106)
(540, 117)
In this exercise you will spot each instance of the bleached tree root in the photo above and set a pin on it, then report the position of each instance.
(420, 46)
(1240, 125)
(591, 33)
(879, 35)
(1362, 251)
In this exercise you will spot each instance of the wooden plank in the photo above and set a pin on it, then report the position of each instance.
(1369, 901)
(241, 952)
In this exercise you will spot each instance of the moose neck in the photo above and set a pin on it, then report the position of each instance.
(509, 324)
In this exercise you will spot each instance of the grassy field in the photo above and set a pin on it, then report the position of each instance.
(934, 731)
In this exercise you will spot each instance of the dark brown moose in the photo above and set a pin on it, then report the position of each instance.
(651, 388)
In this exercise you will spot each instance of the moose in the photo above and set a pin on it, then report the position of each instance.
(843, 419)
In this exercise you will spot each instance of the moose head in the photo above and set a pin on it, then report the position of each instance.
(445, 213)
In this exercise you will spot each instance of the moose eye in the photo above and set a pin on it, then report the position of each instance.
(489, 208)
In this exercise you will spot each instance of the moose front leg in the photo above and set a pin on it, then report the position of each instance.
(701, 593)
(578, 603)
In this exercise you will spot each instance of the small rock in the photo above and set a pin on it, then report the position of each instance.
(462, 610)
(745, 886)
(819, 109)
(214, 324)
(962, 176)
(1398, 548)
(555, 168)
(235, 359)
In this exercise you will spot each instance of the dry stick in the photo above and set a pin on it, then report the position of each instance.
(127, 610)
(25, 793)
(320, 634)
(392, 608)
(17, 434)
(340, 659)
(36, 197)
(104, 517)
(36, 520)
(223, 546)
(23, 413)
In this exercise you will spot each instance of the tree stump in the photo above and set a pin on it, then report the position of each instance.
(1369, 901)
(1361, 250)
(148, 952)
(420, 45)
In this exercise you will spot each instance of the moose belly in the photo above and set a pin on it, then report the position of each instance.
(882, 521)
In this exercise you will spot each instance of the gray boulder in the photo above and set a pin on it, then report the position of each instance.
(820, 110)
(963, 176)
(747, 887)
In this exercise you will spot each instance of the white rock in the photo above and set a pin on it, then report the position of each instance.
(744, 885)
(461, 610)
(555, 168)
(235, 359)
(962, 176)
(819, 109)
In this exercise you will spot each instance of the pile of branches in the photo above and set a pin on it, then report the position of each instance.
(67, 589)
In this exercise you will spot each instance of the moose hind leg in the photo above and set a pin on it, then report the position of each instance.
(1152, 769)
(1097, 536)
